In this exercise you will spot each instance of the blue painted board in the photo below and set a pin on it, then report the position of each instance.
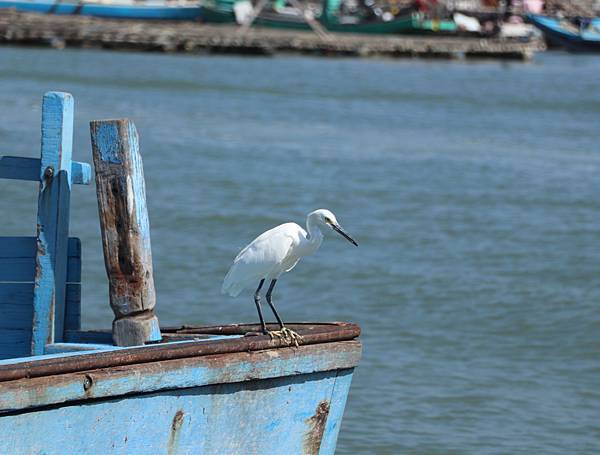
(285, 400)
(52, 220)
(23, 269)
(88, 336)
(87, 348)
(283, 415)
(339, 397)
(16, 307)
(17, 259)
(73, 306)
(16, 344)
(181, 373)
(17, 273)
(20, 168)
(17, 269)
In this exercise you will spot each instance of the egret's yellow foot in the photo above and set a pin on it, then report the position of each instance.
(287, 335)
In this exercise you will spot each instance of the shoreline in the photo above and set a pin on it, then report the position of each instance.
(19, 28)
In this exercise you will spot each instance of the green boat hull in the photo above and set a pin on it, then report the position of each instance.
(406, 25)
(215, 15)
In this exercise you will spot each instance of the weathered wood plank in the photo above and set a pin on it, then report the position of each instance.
(52, 220)
(15, 343)
(274, 416)
(61, 348)
(23, 269)
(17, 247)
(88, 336)
(25, 247)
(15, 293)
(124, 356)
(20, 168)
(73, 308)
(125, 231)
(16, 304)
(17, 259)
(180, 373)
(17, 272)
(15, 323)
(17, 269)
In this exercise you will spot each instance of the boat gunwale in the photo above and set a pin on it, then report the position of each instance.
(312, 333)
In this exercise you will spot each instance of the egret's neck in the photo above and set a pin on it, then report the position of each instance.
(315, 236)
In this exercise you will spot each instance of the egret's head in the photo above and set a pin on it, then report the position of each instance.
(327, 218)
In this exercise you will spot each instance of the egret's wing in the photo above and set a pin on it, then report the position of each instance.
(259, 259)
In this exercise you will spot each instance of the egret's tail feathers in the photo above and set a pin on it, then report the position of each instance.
(230, 287)
(231, 290)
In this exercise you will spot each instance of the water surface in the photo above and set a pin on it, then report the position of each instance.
(472, 188)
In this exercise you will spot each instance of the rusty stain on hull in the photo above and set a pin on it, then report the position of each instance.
(174, 435)
(316, 429)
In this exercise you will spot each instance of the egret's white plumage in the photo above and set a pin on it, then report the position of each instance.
(277, 251)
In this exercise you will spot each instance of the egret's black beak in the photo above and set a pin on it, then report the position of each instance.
(340, 231)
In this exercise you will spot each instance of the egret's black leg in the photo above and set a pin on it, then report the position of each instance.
(270, 302)
(257, 302)
(285, 334)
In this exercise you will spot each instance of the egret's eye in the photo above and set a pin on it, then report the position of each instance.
(328, 220)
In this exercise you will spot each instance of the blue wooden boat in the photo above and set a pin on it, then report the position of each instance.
(206, 390)
(584, 37)
(119, 9)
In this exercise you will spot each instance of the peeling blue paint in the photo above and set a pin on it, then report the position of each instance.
(108, 143)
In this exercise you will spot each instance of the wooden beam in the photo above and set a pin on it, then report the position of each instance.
(54, 173)
(125, 230)
(18, 254)
(20, 168)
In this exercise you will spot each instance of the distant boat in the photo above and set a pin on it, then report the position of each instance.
(223, 11)
(118, 9)
(560, 32)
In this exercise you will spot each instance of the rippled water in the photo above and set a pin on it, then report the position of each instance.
(472, 188)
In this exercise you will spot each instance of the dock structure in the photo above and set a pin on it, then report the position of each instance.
(193, 37)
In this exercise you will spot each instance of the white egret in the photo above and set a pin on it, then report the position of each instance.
(273, 253)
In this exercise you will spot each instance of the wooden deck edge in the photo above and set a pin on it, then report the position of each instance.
(60, 364)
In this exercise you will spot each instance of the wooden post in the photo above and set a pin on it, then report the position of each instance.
(125, 231)
(54, 174)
